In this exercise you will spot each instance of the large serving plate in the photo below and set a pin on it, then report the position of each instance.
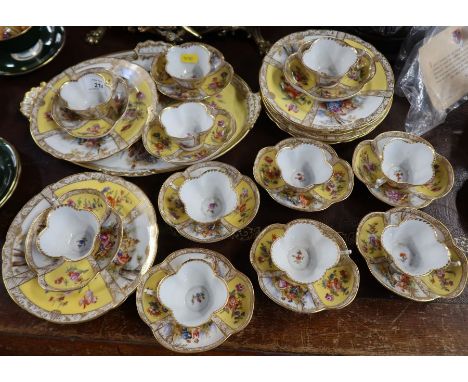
(109, 288)
(236, 98)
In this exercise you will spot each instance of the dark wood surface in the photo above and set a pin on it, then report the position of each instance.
(377, 322)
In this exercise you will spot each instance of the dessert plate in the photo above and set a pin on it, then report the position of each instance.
(220, 76)
(367, 168)
(334, 290)
(268, 175)
(110, 287)
(173, 212)
(159, 144)
(232, 317)
(49, 45)
(10, 170)
(446, 282)
(140, 110)
(78, 127)
(365, 109)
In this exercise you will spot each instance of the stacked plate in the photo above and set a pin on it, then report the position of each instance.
(79, 248)
(95, 113)
(326, 85)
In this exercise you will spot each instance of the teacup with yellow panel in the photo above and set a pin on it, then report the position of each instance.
(438, 271)
(191, 72)
(303, 174)
(208, 202)
(417, 182)
(194, 300)
(305, 266)
(189, 133)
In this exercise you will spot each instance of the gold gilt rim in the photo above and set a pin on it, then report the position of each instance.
(186, 175)
(440, 226)
(401, 134)
(232, 272)
(15, 181)
(335, 159)
(15, 226)
(344, 258)
(296, 38)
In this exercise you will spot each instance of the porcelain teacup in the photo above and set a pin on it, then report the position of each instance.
(330, 59)
(413, 247)
(69, 233)
(187, 123)
(209, 197)
(18, 39)
(90, 95)
(194, 293)
(188, 64)
(303, 166)
(406, 163)
(305, 253)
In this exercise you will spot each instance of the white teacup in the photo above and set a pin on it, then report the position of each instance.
(187, 123)
(208, 198)
(303, 166)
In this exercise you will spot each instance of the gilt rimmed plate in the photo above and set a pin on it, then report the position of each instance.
(320, 197)
(140, 110)
(159, 144)
(173, 212)
(10, 170)
(366, 108)
(366, 167)
(110, 287)
(335, 290)
(234, 317)
(448, 282)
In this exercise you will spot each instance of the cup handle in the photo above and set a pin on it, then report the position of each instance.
(346, 252)
(379, 182)
(371, 68)
(453, 264)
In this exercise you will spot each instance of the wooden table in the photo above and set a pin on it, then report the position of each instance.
(377, 322)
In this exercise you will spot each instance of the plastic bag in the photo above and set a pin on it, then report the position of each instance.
(426, 110)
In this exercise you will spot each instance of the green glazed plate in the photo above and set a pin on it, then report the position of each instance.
(10, 169)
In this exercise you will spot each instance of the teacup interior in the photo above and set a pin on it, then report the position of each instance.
(303, 166)
(209, 197)
(329, 57)
(89, 91)
(189, 62)
(194, 293)
(70, 233)
(304, 253)
(187, 120)
(405, 162)
(414, 248)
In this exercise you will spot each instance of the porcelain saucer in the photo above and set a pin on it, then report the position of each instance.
(447, 282)
(233, 317)
(174, 213)
(336, 189)
(367, 168)
(334, 290)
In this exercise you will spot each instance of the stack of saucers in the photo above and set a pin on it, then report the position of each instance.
(326, 85)
(412, 254)
(191, 130)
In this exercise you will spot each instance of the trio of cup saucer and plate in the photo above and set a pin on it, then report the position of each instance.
(195, 299)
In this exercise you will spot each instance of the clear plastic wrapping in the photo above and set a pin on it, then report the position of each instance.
(426, 110)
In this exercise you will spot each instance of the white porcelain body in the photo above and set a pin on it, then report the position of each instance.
(194, 293)
(414, 248)
(304, 253)
(408, 163)
(209, 197)
(69, 233)
(330, 59)
(303, 166)
(87, 96)
(187, 123)
(188, 74)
